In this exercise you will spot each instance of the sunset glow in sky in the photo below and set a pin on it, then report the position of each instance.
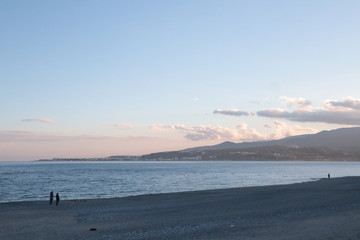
(100, 78)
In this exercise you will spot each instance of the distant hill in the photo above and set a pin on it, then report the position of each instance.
(339, 138)
(336, 145)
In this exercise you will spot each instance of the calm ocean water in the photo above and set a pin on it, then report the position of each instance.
(24, 181)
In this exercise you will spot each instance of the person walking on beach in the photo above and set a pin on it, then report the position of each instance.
(51, 197)
(328, 175)
(57, 199)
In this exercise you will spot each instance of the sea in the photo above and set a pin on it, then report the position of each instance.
(28, 181)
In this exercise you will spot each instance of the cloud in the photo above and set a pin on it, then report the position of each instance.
(232, 112)
(283, 130)
(298, 102)
(255, 101)
(122, 126)
(43, 120)
(240, 133)
(345, 111)
(177, 127)
(347, 103)
(333, 115)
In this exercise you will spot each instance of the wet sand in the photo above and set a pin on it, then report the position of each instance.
(324, 209)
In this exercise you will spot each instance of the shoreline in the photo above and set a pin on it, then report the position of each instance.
(168, 193)
(170, 161)
(322, 209)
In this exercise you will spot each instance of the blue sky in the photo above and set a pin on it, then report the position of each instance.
(101, 78)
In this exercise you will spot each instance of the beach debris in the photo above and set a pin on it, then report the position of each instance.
(92, 229)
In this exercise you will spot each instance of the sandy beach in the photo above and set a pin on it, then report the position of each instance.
(324, 209)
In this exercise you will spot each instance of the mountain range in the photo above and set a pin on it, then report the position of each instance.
(335, 145)
(338, 138)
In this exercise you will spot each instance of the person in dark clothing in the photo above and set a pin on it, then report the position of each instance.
(51, 197)
(328, 175)
(57, 199)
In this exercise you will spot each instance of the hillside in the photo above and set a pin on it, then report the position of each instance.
(335, 145)
(338, 138)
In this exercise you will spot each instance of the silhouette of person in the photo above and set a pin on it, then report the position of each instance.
(328, 175)
(51, 197)
(57, 199)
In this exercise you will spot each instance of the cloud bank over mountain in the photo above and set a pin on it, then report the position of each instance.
(240, 133)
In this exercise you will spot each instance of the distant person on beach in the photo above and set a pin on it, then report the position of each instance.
(328, 175)
(51, 197)
(57, 199)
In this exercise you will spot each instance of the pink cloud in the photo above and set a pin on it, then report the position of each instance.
(43, 120)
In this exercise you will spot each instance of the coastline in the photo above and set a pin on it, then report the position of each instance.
(323, 209)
